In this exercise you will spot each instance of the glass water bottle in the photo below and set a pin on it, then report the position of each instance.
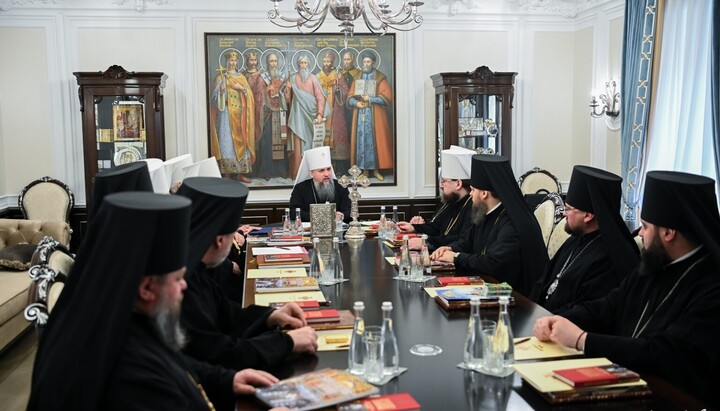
(356, 351)
(391, 353)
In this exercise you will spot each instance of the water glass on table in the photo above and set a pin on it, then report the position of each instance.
(373, 357)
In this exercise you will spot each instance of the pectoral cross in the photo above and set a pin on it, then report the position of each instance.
(354, 231)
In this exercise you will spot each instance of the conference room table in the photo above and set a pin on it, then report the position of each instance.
(436, 382)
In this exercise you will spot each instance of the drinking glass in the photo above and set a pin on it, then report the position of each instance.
(373, 357)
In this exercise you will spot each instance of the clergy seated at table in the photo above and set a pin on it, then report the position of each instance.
(664, 319)
(113, 340)
(455, 213)
(505, 241)
(220, 330)
(316, 184)
(126, 177)
(600, 252)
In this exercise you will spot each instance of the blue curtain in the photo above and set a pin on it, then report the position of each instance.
(639, 41)
(715, 85)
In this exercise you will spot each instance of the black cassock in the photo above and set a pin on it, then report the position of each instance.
(220, 331)
(448, 223)
(303, 194)
(588, 274)
(493, 248)
(667, 324)
(148, 375)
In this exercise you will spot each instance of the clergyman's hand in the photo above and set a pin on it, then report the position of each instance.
(561, 330)
(439, 252)
(304, 340)
(417, 220)
(289, 315)
(406, 227)
(245, 381)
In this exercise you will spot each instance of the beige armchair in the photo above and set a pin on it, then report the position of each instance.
(52, 262)
(539, 181)
(14, 285)
(557, 238)
(46, 199)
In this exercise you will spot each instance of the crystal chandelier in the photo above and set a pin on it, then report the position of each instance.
(376, 13)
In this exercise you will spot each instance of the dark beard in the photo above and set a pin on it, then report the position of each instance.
(167, 324)
(479, 212)
(449, 198)
(653, 259)
(304, 74)
(324, 192)
(573, 231)
(328, 70)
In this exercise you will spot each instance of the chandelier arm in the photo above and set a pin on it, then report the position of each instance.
(313, 23)
(392, 19)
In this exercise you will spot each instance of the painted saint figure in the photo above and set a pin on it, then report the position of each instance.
(336, 133)
(272, 123)
(371, 146)
(232, 137)
(307, 108)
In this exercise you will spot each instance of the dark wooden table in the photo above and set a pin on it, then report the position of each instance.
(436, 382)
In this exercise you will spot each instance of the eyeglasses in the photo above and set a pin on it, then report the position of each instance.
(570, 209)
(447, 180)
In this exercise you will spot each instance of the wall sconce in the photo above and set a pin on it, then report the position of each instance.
(608, 104)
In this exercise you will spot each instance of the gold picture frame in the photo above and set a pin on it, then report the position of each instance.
(128, 121)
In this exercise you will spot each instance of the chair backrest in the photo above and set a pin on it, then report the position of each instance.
(545, 214)
(52, 262)
(539, 181)
(557, 238)
(46, 199)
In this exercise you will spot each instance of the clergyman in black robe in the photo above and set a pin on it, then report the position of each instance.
(220, 330)
(112, 341)
(664, 319)
(505, 241)
(455, 213)
(316, 184)
(600, 252)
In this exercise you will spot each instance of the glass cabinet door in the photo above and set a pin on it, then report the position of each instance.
(122, 118)
(120, 130)
(479, 119)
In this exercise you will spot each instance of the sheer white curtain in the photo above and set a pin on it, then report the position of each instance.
(680, 128)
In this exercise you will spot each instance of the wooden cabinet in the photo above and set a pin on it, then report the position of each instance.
(474, 110)
(122, 118)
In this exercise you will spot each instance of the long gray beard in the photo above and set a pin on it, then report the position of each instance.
(274, 72)
(167, 324)
(304, 74)
(325, 192)
(479, 212)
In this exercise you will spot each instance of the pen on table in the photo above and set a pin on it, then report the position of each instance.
(522, 340)
(343, 346)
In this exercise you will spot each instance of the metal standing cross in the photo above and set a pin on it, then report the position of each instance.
(354, 232)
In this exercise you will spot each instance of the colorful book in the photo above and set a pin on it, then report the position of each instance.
(276, 272)
(322, 316)
(595, 375)
(401, 401)
(315, 390)
(264, 262)
(309, 305)
(539, 376)
(399, 236)
(346, 320)
(265, 299)
(283, 257)
(285, 284)
(445, 281)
